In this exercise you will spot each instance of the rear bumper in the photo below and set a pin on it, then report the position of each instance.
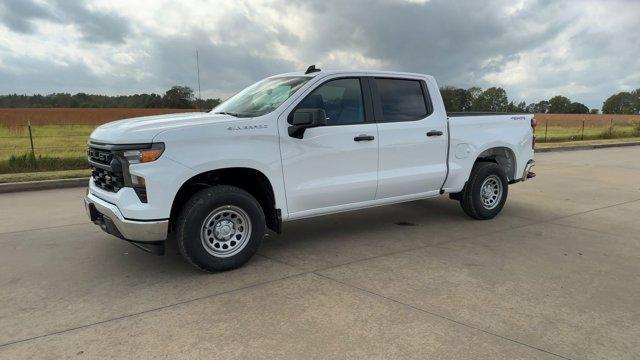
(111, 220)
(528, 174)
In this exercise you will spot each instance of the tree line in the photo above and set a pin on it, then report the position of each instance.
(495, 99)
(178, 97)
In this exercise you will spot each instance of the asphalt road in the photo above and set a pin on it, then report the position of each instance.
(556, 275)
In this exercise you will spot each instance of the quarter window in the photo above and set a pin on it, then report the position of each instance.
(341, 99)
(401, 100)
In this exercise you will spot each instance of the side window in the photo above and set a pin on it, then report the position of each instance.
(401, 100)
(341, 100)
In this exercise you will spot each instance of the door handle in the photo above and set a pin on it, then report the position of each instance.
(363, 137)
(434, 133)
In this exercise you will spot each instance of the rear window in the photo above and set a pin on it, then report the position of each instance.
(401, 100)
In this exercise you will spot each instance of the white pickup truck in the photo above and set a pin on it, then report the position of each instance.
(294, 146)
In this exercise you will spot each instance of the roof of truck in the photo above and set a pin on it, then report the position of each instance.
(363, 72)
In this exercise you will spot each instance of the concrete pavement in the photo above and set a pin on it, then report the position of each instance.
(554, 276)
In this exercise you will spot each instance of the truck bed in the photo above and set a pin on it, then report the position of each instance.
(475, 132)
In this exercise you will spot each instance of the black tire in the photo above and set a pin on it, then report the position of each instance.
(192, 232)
(471, 198)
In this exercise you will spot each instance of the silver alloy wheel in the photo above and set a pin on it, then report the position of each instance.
(491, 192)
(225, 231)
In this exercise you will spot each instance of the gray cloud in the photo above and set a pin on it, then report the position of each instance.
(585, 50)
(94, 26)
(18, 15)
(224, 68)
(40, 76)
(458, 43)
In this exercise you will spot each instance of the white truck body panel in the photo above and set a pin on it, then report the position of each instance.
(479, 133)
(411, 162)
(324, 172)
(327, 169)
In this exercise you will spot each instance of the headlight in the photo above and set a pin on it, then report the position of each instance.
(144, 155)
(138, 156)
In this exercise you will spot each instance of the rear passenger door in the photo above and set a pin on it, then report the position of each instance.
(412, 140)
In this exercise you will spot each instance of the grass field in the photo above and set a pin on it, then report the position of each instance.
(576, 127)
(60, 135)
(557, 133)
(44, 175)
(52, 140)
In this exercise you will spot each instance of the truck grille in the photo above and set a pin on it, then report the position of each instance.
(106, 169)
(100, 156)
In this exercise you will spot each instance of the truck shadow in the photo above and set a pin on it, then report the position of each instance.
(339, 238)
(385, 218)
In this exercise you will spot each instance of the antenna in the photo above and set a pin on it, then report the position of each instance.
(311, 69)
(198, 73)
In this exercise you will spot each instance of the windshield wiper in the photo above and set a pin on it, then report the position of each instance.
(228, 113)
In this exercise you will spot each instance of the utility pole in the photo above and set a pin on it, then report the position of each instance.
(198, 73)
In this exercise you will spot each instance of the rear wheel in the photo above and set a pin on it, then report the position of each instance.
(486, 191)
(220, 228)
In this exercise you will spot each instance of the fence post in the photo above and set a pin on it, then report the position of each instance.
(611, 129)
(31, 139)
(546, 124)
(582, 129)
(33, 151)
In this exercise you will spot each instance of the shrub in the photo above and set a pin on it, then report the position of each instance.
(30, 163)
(608, 133)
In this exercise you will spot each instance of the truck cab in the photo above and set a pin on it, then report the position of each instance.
(293, 146)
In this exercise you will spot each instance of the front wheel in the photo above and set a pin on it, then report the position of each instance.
(486, 191)
(220, 228)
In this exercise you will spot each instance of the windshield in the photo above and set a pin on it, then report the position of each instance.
(262, 97)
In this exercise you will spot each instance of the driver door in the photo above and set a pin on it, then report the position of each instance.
(333, 167)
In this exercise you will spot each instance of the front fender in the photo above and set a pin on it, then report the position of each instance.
(214, 147)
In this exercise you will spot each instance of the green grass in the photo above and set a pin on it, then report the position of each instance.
(44, 175)
(30, 163)
(567, 144)
(569, 133)
(56, 147)
(56, 141)
(63, 147)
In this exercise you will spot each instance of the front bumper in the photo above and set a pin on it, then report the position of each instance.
(111, 220)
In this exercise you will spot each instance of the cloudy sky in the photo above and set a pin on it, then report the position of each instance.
(535, 49)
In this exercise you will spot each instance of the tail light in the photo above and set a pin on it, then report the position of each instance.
(534, 123)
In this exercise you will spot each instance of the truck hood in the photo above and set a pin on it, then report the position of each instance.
(144, 129)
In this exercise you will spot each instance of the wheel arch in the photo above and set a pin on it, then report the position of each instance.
(503, 156)
(254, 181)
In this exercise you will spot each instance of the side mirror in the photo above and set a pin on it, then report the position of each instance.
(302, 119)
